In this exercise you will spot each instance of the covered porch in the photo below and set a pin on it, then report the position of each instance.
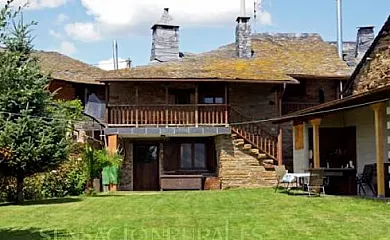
(166, 163)
(344, 137)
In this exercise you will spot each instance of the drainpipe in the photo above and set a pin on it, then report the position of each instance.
(340, 38)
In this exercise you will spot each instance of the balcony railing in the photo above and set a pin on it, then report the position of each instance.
(168, 115)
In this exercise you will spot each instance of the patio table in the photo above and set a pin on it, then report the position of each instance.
(295, 177)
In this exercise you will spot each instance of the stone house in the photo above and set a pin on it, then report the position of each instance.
(185, 121)
(352, 132)
(72, 79)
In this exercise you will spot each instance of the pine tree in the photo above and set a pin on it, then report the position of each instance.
(34, 129)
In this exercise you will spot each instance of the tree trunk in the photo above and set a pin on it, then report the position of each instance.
(19, 189)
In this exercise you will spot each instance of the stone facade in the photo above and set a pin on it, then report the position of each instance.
(243, 38)
(126, 170)
(165, 40)
(239, 169)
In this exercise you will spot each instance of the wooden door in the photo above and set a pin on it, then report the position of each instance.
(146, 167)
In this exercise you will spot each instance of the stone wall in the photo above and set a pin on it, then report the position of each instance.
(126, 170)
(239, 169)
(376, 72)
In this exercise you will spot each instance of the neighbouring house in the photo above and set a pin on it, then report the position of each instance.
(185, 118)
(72, 79)
(353, 130)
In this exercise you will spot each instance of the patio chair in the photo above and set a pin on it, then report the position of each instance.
(280, 173)
(316, 182)
(365, 178)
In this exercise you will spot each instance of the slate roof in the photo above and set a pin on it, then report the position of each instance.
(349, 51)
(276, 58)
(62, 67)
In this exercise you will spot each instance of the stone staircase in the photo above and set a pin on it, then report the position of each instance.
(251, 149)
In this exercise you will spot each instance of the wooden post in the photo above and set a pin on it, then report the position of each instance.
(379, 118)
(166, 107)
(107, 114)
(280, 146)
(112, 148)
(316, 141)
(136, 106)
(196, 106)
(226, 106)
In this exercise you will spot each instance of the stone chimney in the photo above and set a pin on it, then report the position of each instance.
(365, 37)
(165, 39)
(243, 38)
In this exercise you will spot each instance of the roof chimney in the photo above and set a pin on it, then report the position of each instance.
(243, 34)
(165, 42)
(365, 37)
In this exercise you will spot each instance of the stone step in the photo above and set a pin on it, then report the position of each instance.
(254, 151)
(234, 135)
(261, 156)
(268, 161)
(247, 146)
(238, 140)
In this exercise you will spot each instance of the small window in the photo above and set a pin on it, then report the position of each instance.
(321, 95)
(193, 156)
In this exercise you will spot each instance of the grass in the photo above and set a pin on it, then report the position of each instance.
(231, 214)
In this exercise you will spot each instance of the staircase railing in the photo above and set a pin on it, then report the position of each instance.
(254, 133)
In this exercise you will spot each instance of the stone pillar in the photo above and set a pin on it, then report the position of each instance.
(243, 38)
(379, 109)
(126, 169)
(316, 142)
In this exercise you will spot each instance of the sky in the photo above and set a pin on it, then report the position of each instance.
(85, 29)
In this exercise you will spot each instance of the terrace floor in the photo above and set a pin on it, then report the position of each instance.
(231, 214)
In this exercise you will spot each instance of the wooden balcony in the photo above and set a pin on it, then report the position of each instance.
(167, 115)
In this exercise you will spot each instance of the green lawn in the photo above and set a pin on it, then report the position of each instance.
(231, 214)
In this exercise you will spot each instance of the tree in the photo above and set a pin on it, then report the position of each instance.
(34, 129)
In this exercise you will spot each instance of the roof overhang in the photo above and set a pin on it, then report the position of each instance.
(287, 81)
(320, 77)
(351, 102)
(79, 82)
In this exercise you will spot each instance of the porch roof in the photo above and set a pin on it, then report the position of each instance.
(350, 102)
(277, 57)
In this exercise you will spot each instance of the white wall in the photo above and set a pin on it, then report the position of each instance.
(361, 118)
(301, 157)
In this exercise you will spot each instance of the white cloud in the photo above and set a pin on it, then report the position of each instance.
(123, 17)
(37, 4)
(55, 34)
(263, 15)
(67, 48)
(61, 18)
(87, 32)
(109, 65)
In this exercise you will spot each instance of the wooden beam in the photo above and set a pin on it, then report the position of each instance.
(226, 105)
(136, 103)
(107, 93)
(316, 142)
(196, 105)
(379, 109)
(112, 148)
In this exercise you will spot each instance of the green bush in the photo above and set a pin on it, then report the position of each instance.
(67, 180)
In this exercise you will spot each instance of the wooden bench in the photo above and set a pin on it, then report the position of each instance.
(181, 182)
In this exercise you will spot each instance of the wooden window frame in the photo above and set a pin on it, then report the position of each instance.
(193, 167)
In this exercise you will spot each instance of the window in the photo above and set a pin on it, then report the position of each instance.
(212, 94)
(146, 154)
(193, 156)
